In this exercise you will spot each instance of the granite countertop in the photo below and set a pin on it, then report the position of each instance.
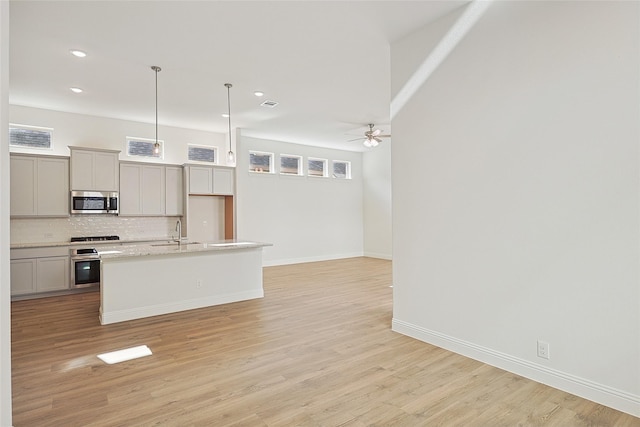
(167, 247)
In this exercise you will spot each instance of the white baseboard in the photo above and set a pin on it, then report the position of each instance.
(605, 395)
(174, 307)
(274, 262)
(378, 255)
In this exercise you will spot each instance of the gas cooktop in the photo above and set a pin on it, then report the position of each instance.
(94, 238)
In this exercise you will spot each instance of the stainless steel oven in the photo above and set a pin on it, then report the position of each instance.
(85, 261)
(85, 268)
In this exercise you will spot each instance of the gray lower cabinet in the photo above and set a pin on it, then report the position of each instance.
(39, 270)
(23, 276)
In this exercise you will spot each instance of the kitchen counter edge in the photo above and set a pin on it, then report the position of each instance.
(136, 250)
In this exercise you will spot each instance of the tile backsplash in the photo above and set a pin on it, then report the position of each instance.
(41, 230)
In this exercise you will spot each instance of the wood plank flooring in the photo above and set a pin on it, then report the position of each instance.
(317, 350)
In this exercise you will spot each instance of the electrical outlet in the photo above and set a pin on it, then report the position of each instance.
(198, 283)
(543, 349)
(48, 235)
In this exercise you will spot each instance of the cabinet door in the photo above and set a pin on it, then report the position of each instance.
(52, 274)
(105, 171)
(223, 181)
(53, 187)
(174, 192)
(23, 186)
(23, 276)
(153, 188)
(81, 170)
(200, 180)
(130, 190)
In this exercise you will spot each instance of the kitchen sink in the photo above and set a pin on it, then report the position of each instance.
(176, 243)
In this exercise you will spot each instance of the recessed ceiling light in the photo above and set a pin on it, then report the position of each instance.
(76, 90)
(258, 93)
(78, 53)
(225, 115)
(126, 354)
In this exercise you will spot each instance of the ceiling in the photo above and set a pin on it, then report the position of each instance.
(326, 63)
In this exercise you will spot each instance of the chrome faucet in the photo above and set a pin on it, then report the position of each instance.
(179, 230)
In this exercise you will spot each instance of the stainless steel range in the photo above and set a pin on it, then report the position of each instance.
(85, 262)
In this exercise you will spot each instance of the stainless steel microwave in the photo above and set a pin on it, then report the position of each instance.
(94, 202)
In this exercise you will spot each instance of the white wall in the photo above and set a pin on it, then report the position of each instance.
(516, 196)
(206, 218)
(100, 132)
(5, 278)
(306, 218)
(376, 181)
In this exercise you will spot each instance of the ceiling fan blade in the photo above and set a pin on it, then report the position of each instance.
(355, 139)
(377, 140)
(376, 132)
(384, 136)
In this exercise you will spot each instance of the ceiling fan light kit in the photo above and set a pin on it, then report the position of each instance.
(372, 138)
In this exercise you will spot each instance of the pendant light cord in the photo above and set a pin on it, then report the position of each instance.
(156, 69)
(230, 155)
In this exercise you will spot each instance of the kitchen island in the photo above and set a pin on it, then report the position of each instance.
(151, 279)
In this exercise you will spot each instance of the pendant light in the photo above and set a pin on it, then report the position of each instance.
(156, 146)
(231, 157)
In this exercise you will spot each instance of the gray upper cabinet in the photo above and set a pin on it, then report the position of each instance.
(130, 189)
(151, 190)
(39, 185)
(200, 180)
(211, 180)
(174, 191)
(223, 181)
(94, 169)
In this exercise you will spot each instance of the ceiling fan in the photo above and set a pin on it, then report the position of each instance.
(372, 137)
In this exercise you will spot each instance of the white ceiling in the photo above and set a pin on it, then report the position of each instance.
(326, 62)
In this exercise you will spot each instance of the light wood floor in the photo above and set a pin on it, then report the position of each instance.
(317, 350)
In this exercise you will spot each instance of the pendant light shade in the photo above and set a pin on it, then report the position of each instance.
(156, 146)
(231, 157)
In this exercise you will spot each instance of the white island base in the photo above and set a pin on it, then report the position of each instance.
(134, 287)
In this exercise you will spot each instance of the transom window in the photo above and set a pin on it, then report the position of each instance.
(317, 167)
(260, 162)
(290, 164)
(341, 169)
(143, 147)
(30, 136)
(200, 153)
